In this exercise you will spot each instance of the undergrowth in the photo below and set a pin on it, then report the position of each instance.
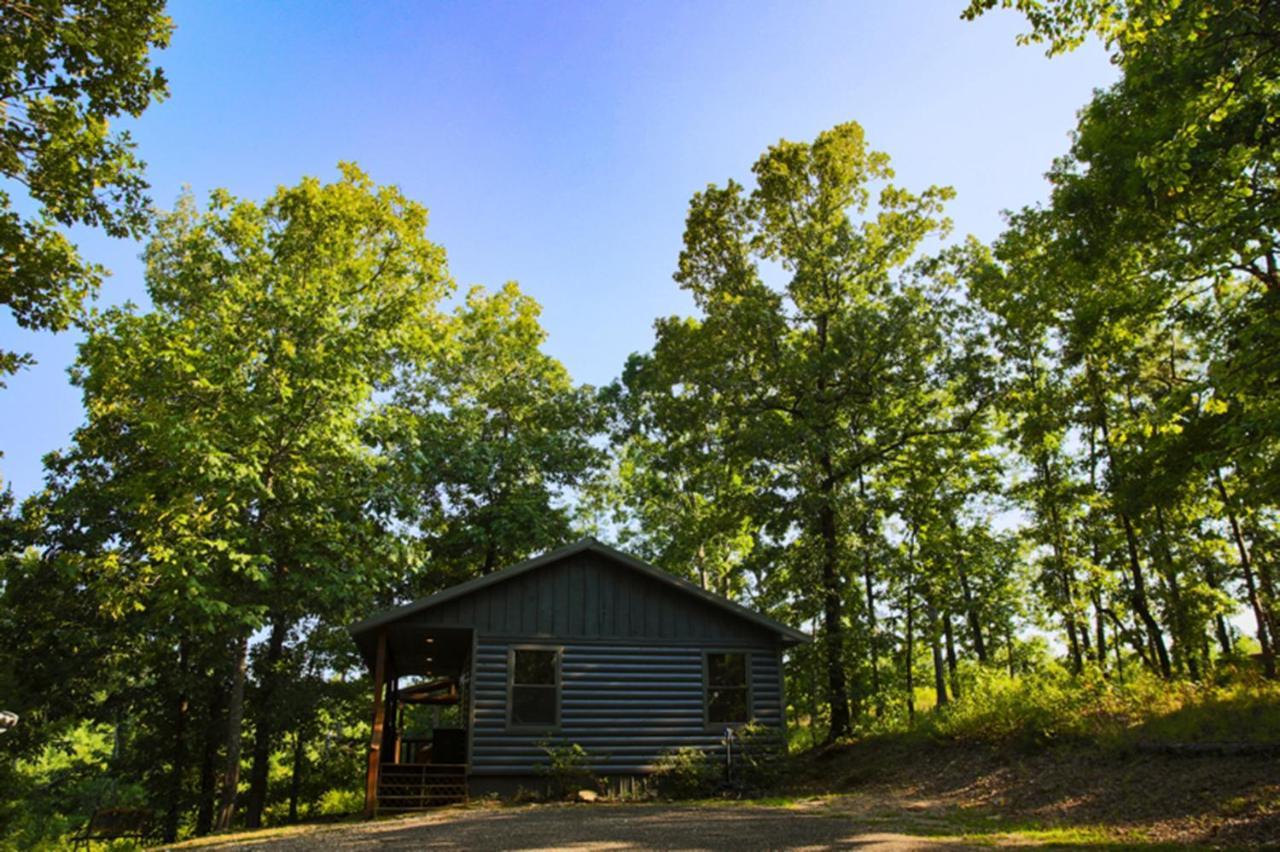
(1054, 707)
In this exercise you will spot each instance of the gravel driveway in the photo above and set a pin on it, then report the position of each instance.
(600, 826)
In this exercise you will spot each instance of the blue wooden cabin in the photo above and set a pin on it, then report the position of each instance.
(584, 645)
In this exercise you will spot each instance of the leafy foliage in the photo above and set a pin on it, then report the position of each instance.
(491, 436)
(779, 398)
(1049, 707)
(687, 773)
(67, 69)
(567, 770)
(1024, 493)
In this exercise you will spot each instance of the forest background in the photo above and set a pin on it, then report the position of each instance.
(1041, 463)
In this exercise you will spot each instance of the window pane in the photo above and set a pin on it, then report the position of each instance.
(726, 669)
(535, 667)
(533, 705)
(727, 705)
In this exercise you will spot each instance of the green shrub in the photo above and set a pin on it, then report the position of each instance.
(1051, 706)
(340, 803)
(568, 769)
(687, 773)
(758, 758)
(45, 800)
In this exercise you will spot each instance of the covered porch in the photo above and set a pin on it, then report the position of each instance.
(420, 739)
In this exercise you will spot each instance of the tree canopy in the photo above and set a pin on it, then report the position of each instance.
(66, 70)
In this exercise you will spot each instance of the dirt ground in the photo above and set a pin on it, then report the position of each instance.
(603, 826)
(882, 796)
(1069, 794)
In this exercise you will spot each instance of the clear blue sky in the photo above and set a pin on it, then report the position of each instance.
(557, 144)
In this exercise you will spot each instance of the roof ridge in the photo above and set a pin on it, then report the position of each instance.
(582, 544)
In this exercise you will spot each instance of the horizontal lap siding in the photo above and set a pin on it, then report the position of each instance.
(625, 704)
(766, 688)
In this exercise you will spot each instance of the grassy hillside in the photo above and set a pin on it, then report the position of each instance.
(1140, 762)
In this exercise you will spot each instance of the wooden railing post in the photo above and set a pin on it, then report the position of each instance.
(375, 737)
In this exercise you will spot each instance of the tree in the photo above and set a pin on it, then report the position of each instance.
(840, 365)
(1155, 271)
(491, 436)
(679, 496)
(224, 478)
(66, 70)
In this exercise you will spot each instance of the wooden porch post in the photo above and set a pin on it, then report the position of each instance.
(375, 738)
(399, 722)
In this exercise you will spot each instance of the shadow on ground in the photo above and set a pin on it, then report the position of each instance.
(614, 827)
(1223, 801)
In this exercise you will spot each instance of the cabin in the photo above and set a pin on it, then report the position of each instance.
(585, 646)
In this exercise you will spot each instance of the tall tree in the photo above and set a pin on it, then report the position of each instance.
(1158, 260)
(67, 67)
(492, 437)
(821, 347)
(225, 456)
(680, 498)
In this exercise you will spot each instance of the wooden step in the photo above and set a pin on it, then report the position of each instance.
(417, 787)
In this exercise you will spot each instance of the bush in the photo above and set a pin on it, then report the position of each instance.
(45, 800)
(1050, 707)
(568, 769)
(340, 803)
(687, 773)
(758, 758)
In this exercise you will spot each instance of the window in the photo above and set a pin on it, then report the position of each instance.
(535, 687)
(727, 698)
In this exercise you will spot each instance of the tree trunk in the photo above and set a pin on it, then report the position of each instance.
(939, 667)
(951, 654)
(1136, 637)
(1139, 590)
(1008, 644)
(209, 760)
(295, 779)
(911, 638)
(873, 643)
(873, 650)
(833, 607)
(1064, 572)
(235, 719)
(1069, 614)
(1186, 649)
(1095, 549)
(269, 680)
(179, 769)
(911, 662)
(814, 680)
(1265, 634)
(1100, 627)
(1120, 635)
(1219, 622)
(971, 615)
(1267, 587)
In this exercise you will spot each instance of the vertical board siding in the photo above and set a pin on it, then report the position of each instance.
(626, 704)
(586, 596)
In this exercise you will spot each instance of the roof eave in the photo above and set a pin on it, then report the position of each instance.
(788, 635)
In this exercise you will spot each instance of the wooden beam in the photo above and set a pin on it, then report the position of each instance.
(399, 720)
(375, 737)
(389, 729)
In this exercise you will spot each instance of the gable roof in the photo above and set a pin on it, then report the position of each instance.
(787, 634)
